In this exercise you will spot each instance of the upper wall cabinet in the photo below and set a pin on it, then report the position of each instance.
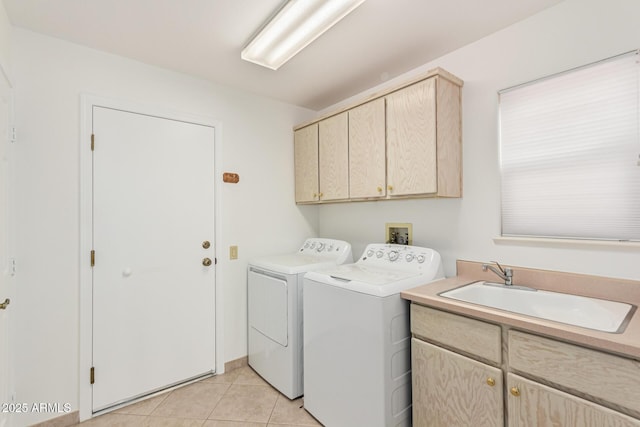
(411, 140)
(305, 148)
(403, 143)
(322, 160)
(367, 162)
(334, 158)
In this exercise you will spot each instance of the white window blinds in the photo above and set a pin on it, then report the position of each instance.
(569, 154)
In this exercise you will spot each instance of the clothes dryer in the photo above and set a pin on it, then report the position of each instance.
(275, 338)
(357, 354)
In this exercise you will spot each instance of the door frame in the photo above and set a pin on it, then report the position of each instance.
(87, 102)
(7, 267)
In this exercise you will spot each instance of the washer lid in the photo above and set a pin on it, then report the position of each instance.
(367, 274)
(370, 280)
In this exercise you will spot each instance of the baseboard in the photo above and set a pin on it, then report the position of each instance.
(70, 419)
(73, 418)
(236, 364)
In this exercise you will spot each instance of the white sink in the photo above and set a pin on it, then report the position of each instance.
(592, 313)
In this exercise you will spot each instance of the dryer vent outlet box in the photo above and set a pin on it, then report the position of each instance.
(399, 233)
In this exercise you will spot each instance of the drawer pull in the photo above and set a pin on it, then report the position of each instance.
(491, 381)
(515, 391)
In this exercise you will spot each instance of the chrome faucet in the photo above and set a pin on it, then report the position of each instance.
(505, 274)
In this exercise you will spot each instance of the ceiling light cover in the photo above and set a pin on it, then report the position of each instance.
(293, 28)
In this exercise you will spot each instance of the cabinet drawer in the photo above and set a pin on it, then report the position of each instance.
(461, 333)
(600, 375)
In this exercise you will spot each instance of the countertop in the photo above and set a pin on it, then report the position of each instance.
(626, 343)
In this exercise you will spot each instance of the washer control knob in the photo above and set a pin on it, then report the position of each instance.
(330, 248)
(409, 257)
(370, 253)
(393, 255)
(379, 254)
(420, 258)
(320, 247)
(306, 244)
(313, 245)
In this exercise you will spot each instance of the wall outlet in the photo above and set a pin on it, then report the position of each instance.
(233, 252)
(399, 233)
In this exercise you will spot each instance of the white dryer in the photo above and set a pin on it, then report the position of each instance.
(357, 354)
(275, 310)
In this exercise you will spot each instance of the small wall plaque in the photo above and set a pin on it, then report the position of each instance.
(232, 178)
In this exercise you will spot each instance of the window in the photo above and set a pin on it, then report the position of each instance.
(570, 154)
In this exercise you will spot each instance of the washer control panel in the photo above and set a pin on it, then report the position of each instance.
(330, 248)
(402, 257)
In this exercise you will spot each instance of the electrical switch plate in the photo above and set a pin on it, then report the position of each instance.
(399, 233)
(233, 252)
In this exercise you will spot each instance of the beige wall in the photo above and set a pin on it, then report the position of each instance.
(573, 33)
(5, 39)
(257, 214)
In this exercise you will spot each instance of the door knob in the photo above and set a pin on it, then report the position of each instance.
(206, 244)
(206, 262)
(5, 304)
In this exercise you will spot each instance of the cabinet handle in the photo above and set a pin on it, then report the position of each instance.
(491, 381)
(390, 187)
(315, 195)
(320, 195)
(515, 391)
(379, 189)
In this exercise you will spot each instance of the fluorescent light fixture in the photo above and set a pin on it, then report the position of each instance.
(293, 28)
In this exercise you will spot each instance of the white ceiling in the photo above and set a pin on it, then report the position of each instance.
(381, 39)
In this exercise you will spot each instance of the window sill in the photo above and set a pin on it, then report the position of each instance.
(568, 243)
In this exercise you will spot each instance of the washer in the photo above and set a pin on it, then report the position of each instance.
(275, 310)
(357, 353)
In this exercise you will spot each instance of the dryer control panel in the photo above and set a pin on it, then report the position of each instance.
(330, 248)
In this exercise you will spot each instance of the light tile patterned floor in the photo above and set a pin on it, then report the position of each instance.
(239, 398)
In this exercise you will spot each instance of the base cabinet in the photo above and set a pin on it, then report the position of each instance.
(454, 390)
(531, 404)
(462, 385)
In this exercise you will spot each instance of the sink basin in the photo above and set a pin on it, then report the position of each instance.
(592, 313)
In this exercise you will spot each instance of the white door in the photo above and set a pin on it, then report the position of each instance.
(153, 297)
(5, 265)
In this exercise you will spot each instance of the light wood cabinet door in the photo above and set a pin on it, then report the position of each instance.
(411, 140)
(453, 390)
(334, 157)
(534, 405)
(367, 166)
(305, 147)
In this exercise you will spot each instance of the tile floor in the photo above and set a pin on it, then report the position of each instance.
(239, 398)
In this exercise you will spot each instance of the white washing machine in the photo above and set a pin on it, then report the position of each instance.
(275, 310)
(357, 355)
